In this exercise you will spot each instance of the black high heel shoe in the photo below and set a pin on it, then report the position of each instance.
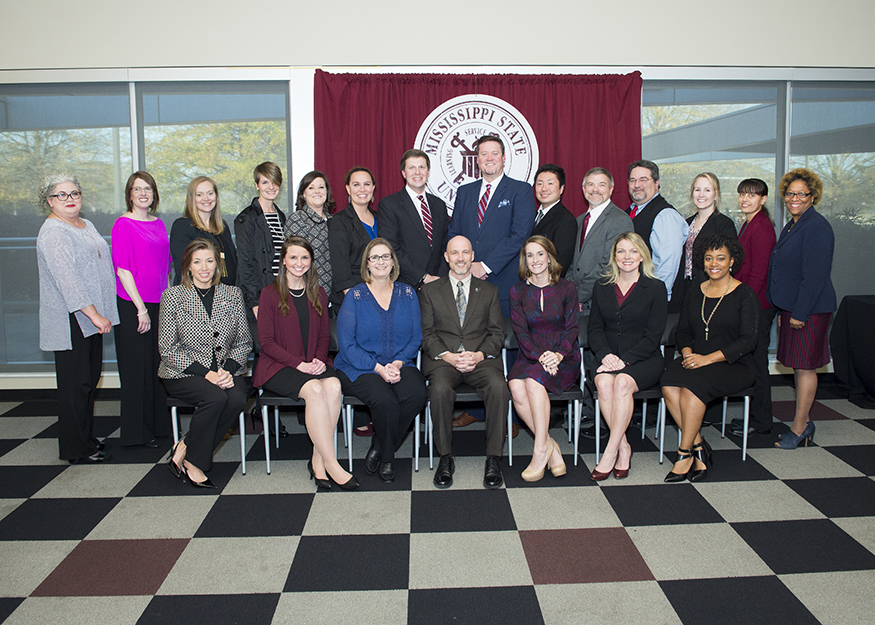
(205, 484)
(255, 415)
(683, 454)
(702, 451)
(175, 469)
(319, 481)
(351, 484)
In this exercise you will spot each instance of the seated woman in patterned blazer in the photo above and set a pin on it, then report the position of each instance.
(204, 341)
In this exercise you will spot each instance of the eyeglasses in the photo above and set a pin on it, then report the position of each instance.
(789, 196)
(384, 257)
(643, 180)
(142, 189)
(73, 195)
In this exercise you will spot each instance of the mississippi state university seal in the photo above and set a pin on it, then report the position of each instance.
(448, 134)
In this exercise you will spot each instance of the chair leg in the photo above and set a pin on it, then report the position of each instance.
(598, 430)
(744, 436)
(242, 442)
(347, 430)
(643, 417)
(264, 419)
(510, 434)
(429, 434)
(577, 415)
(416, 442)
(723, 420)
(662, 431)
(569, 417)
(174, 422)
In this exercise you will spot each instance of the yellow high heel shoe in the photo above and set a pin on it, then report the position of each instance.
(532, 475)
(559, 469)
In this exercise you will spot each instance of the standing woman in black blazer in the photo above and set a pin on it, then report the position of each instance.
(626, 323)
(801, 290)
(350, 231)
(708, 220)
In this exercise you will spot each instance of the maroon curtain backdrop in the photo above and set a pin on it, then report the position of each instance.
(580, 122)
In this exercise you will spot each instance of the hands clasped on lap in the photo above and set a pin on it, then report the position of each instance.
(221, 378)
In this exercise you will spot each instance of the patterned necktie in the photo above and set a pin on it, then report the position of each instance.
(539, 216)
(426, 217)
(461, 302)
(634, 211)
(481, 209)
(583, 229)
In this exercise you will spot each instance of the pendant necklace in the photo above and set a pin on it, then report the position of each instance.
(708, 320)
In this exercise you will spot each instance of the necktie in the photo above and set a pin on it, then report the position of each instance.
(461, 302)
(481, 209)
(539, 216)
(583, 229)
(634, 211)
(426, 217)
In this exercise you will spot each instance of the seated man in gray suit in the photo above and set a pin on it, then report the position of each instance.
(596, 231)
(462, 338)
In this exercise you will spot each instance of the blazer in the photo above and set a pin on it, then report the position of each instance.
(632, 331)
(183, 232)
(255, 251)
(399, 223)
(560, 227)
(758, 240)
(347, 240)
(591, 261)
(483, 330)
(187, 336)
(800, 267)
(507, 224)
(280, 337)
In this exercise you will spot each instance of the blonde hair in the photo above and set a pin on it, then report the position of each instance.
(715, 183)
(216, 225)
(613, 273)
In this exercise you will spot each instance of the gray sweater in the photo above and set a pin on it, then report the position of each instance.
(75, 271)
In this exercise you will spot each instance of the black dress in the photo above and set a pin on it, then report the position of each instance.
(732, 330)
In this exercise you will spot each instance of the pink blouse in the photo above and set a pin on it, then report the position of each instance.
(143, 248)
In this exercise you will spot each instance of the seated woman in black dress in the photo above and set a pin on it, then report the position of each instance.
(716, 336)
(294, 355)
(204, 341)
(544, 311)
(626, 323)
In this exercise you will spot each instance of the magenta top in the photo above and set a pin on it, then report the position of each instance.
(143, 248)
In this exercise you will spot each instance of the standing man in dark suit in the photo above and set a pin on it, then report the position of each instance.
(415, 223)
(462, 337)
(496, 214)
(553, 220)
(595, 234)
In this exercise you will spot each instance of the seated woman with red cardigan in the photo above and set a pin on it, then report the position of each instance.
(294, 334)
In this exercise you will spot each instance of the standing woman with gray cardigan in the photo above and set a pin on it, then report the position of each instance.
(76, 308)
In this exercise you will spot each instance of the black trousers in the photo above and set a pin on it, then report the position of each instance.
(761, 402)
(216, 411)
(393, 406)
(144, 413)
(77, 371)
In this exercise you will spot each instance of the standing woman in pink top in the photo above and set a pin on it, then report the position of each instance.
(141, 257)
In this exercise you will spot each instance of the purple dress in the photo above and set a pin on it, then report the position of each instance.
(554, 329)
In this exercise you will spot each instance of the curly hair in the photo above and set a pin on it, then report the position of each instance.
(812, 180)
(715, 242)
(47, 188)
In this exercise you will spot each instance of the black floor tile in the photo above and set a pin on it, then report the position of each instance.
(42, 408)
(256, 515)
(660, 504)
(403, 475)
(209, 609)
(23, 481)
(343, 563)
(8, 605)
(733, 600)
(756, 441)
(729, 467)
(869, 423)
(460, 511)
(293, 447)
(861, 457)
(8, 444)
(474, 606)
(576, 476)
(838, 497)
(811, 546)
(55, 519)
(103, 427)
(159, 482)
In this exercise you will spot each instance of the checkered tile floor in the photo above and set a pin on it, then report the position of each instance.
(785, 537)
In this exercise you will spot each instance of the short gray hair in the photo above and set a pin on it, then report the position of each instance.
(50, 182)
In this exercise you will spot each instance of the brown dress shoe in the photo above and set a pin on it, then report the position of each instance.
(462, 420)
(514, 430)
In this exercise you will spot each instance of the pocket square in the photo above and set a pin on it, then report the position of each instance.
(503, 203)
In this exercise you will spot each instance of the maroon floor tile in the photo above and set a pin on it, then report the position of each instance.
(113, 567)
(579, 556)
(786, 410)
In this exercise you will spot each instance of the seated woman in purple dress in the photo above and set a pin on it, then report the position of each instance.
(544, 311)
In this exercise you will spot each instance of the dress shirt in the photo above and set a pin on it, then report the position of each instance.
(546, 209)
(494, 185)
(596, 211)
(414, 196)
(667, 240)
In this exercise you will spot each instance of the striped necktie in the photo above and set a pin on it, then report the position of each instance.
(481, 210)
(426, 217)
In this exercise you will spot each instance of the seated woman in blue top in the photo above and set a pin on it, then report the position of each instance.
(378, 336)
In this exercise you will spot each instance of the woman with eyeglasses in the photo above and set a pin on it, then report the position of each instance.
(757, 237)
(141, 256)
(378, 335)
(75, 274)
(801, 290)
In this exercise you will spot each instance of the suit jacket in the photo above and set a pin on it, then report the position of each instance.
(800, 267)
(483, 330)
(186, 335)
(591, 261)
(399, 223)
(507, 224)
(255, 251)
(632, 331)
(559, 226)
(347, 240)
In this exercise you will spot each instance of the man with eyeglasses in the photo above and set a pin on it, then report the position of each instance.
(656, 221)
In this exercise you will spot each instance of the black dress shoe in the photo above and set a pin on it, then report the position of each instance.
(492, 476)
(319, 481)
(751, 431)
(443, 477)
(101, 445)
(152, 444)
(736, 423)
(387, 472)
(92, 459)
(372, 458)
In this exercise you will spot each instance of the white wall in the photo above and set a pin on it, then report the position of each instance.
(42, 34)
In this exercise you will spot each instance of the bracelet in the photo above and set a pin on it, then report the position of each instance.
(145, 312)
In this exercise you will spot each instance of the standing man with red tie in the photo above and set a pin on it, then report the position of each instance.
(415, 223)
(495, 213)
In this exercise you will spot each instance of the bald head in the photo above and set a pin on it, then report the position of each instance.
(459, 256)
